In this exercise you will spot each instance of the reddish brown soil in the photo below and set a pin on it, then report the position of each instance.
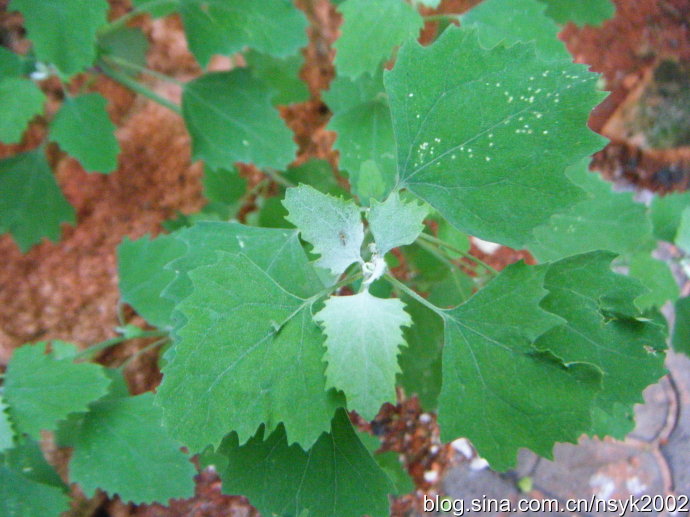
(625, 50)
(68, 290)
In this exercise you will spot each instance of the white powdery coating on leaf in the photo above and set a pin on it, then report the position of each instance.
(363, 337)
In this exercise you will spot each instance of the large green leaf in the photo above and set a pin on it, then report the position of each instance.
(87, 115)
(273, 27)
(142, 274)
(35, 207)
(420, 361)
(657, 277)
(157, 8)
(601, 327)
(63, 32)
(363, 340)
(280, 74)
(513, 21)
(362, 122)
(497, 390)
(336, 477)
(243, 321)
(607, 220)
(332, 225)
(370, 30)
(7, 433)
(230, 119)
(121, 447)
(666, 214)
(580, 12)
(126, 43)
(11, 64)
(21, 101)
(481, 134)
(224, 189)
(681, 330)
(20, 496)
(42, 389)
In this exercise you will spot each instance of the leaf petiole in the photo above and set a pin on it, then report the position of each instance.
(141, 69)
(410, 292)
(122, 20)
(89, 351)
(442, 244)
(139, 88)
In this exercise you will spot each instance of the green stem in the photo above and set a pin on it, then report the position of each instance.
(438, 242)
(143, 351)
(87, 352)
(278, 178)
(441, 17)
(436, 252)
(411, 293)
(141, 69)
(139, 88)
(137, 11)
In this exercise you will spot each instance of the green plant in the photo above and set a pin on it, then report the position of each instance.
(481, 133)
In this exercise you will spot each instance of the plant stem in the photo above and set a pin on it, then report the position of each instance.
(141, 69)
(442, 244)
(411, 293)
(143, 351)
(278, 178)
(87, 352)
(122, 20)
(139, 88)
(441, 17)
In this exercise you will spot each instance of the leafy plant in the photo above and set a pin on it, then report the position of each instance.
(276, 329)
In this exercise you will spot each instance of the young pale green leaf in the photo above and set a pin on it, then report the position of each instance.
(362, 122)
(226, 370)
(281, 75)
(601, 327)
(21, 100)
(23, 497)
(142, 273)
(115, 439)
(607, 220)
(483, 133)
(370, 31)
(274, 27)
(513, 21)
(63, 32)
(656, 276)
(580, 12)
(87, 115)
(497, 391)
(7, 433)
(334, 478)
(332, 225)
(363, 340)
(35, 207)
(395, 222)
(428, 3)
(41, 389)
(230, 119)
(681, 330)
(666, 214)
(420, 361)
